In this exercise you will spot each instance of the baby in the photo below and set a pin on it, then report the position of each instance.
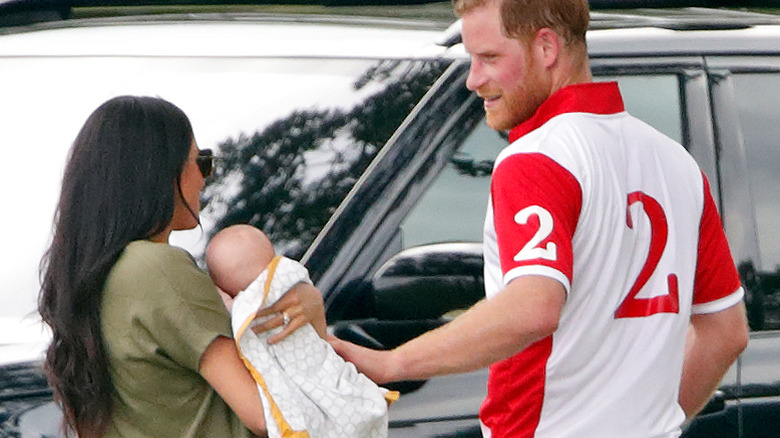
(306, 388)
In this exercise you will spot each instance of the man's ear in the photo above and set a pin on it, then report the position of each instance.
(546, 45)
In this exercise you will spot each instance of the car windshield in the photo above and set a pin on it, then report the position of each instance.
(290, 133)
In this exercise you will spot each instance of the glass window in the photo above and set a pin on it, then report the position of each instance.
(757, 96)
(453, 208)
(654, 99)
(288, 176)
(293, 135)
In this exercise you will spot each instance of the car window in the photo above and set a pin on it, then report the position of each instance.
(288, 177)
(453, 207)
(654, 99)
(757, 95)
(292, 134)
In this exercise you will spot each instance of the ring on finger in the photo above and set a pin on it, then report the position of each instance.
(286, 318)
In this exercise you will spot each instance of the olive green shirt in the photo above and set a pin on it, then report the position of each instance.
(160, 312)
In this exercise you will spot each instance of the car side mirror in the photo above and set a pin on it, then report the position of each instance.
(412, 291)
(426, 282)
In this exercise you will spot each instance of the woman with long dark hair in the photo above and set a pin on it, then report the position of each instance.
(142, 343)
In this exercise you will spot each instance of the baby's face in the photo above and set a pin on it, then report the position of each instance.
(229, 292)
(233, 282)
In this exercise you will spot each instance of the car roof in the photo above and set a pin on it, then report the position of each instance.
(223, 29)
(226, 35)
(684, 31)
(686, 18)
(22, 340)
(650, 41)
(370, 31)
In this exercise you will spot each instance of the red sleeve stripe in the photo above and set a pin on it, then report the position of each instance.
(535, 183)
(716, 275)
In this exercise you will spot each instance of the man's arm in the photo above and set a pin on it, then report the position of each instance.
(525, 311)
(715, 340)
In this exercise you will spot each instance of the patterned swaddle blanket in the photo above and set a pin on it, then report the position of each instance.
(307, 389)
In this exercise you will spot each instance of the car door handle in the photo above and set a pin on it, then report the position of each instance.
(716, 403)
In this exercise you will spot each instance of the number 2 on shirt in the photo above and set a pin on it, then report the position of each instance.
(532, 250)
(633, 307)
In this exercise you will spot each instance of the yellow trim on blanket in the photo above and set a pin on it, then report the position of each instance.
(391, 397)
(285, 428)
(271, 272)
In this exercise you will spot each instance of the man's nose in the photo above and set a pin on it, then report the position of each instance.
(476, 76)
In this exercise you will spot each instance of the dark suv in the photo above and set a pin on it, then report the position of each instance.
(348, 136)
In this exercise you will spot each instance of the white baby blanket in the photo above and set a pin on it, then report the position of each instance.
(306, 388)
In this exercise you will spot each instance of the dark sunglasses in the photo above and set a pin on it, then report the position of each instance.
(205, 161)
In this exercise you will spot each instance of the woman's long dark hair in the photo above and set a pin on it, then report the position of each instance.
(119, 185)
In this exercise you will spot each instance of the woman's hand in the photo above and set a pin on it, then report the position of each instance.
(302, 304)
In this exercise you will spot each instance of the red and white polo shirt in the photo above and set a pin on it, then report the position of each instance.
(622, 216)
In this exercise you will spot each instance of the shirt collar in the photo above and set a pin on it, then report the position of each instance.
(591, 97)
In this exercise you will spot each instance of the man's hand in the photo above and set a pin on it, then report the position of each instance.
(483, 335)
(375, 364)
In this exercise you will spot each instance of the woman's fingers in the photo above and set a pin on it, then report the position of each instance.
(296, 321)
(311, 306)
(276, 318)
(302, 305)
(294, 325)
(284, 304)
(268, 324)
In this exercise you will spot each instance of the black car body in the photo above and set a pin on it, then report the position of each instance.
(378, 179)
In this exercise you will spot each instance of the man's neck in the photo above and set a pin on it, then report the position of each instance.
(570, 70)
(590, 97)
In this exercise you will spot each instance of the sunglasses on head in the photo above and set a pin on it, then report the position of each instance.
(205, 161)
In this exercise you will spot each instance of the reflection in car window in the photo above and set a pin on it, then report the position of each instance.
(654, 99)
(453, 208)
(757, 96)
(289, 177)
(294, 135)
